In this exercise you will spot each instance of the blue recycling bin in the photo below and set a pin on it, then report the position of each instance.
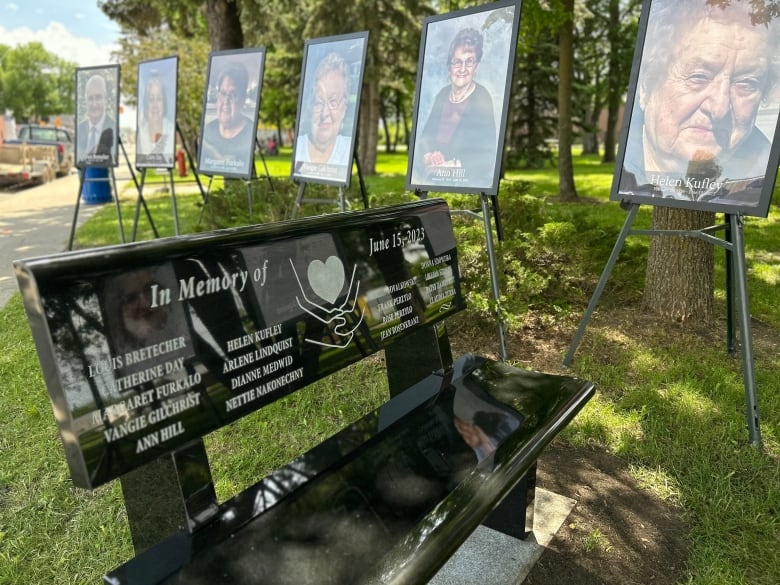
(96, 187)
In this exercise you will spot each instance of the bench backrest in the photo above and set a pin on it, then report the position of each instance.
(147, 346)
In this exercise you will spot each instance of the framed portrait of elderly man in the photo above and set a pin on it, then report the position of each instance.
(97, 114)
(228, 126)
(702, 112)
(155, 137)
(461, 99)
(328, 106)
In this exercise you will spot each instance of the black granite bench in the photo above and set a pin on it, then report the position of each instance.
(148, 347)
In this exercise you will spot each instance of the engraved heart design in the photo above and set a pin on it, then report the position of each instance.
(326, 278)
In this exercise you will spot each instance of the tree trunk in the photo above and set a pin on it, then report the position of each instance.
(615, 89)
(224, 24)
(369, 127)
(679, 277)
(385, 127)
(568, 191)
(398, 121)
(279, 132)
(590, 143)
(610, 135)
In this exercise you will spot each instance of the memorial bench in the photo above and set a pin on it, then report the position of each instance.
(148, 347)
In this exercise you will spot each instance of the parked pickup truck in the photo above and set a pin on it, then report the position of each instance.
(27, 163)
(60, 138)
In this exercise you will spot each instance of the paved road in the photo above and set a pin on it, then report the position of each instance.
(36, 222)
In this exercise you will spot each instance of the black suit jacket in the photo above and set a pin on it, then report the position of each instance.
(104, 151)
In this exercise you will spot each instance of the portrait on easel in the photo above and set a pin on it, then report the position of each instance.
(461, 99)
(231, 104)
(97, 115)
(702, 109)
(155, 139)
(328, 106)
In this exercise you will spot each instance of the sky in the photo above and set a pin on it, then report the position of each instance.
(76, 30)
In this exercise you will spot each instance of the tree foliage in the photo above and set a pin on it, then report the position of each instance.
(533, 120)
(193, 60)
(184, 18)
(34, 83)
(604, 51)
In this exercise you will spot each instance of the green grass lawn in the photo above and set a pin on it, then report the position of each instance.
(670, 400)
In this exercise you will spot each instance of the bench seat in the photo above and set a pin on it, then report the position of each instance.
(411, 479)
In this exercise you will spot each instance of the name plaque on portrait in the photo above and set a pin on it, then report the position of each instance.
(147, 346)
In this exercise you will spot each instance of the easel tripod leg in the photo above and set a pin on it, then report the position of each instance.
(298, 199)
(76, 210)
(137, 213)
(118, 208)
(743, 312)
(205, 200)
(594, 300)
(494, 276)
(173, 205)
(730, 344)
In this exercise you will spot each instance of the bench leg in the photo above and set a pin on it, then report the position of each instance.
(168, 495)
(417, 356)
(514, 516)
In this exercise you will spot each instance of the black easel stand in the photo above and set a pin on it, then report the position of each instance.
(142, 201)
(205, 199)
(82, 180)
(265, 166)
(493, 204)
(484, 215)
(191, 162)
(730, 344)
(736, 273)
(363, 190)
(248, 183)
(342, 200)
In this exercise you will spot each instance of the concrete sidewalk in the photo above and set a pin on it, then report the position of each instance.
(37, 222)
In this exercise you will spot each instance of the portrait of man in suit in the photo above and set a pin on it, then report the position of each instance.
(97, 127)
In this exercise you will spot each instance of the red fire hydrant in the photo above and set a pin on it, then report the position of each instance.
(181, 162)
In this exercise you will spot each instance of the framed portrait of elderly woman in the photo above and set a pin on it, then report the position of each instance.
(231, 102)
(97, 114)
(701, 123)
(461, 99)
(155, 136)
(328, 105)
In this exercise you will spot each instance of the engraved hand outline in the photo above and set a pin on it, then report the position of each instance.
(329, 316)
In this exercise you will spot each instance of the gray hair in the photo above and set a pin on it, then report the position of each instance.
(333, 62)
(668, 19)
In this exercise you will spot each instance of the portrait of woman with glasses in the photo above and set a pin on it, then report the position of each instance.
(460, 132)
(328, 104)
(231, 106)
(323, 142)
(226, 136)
